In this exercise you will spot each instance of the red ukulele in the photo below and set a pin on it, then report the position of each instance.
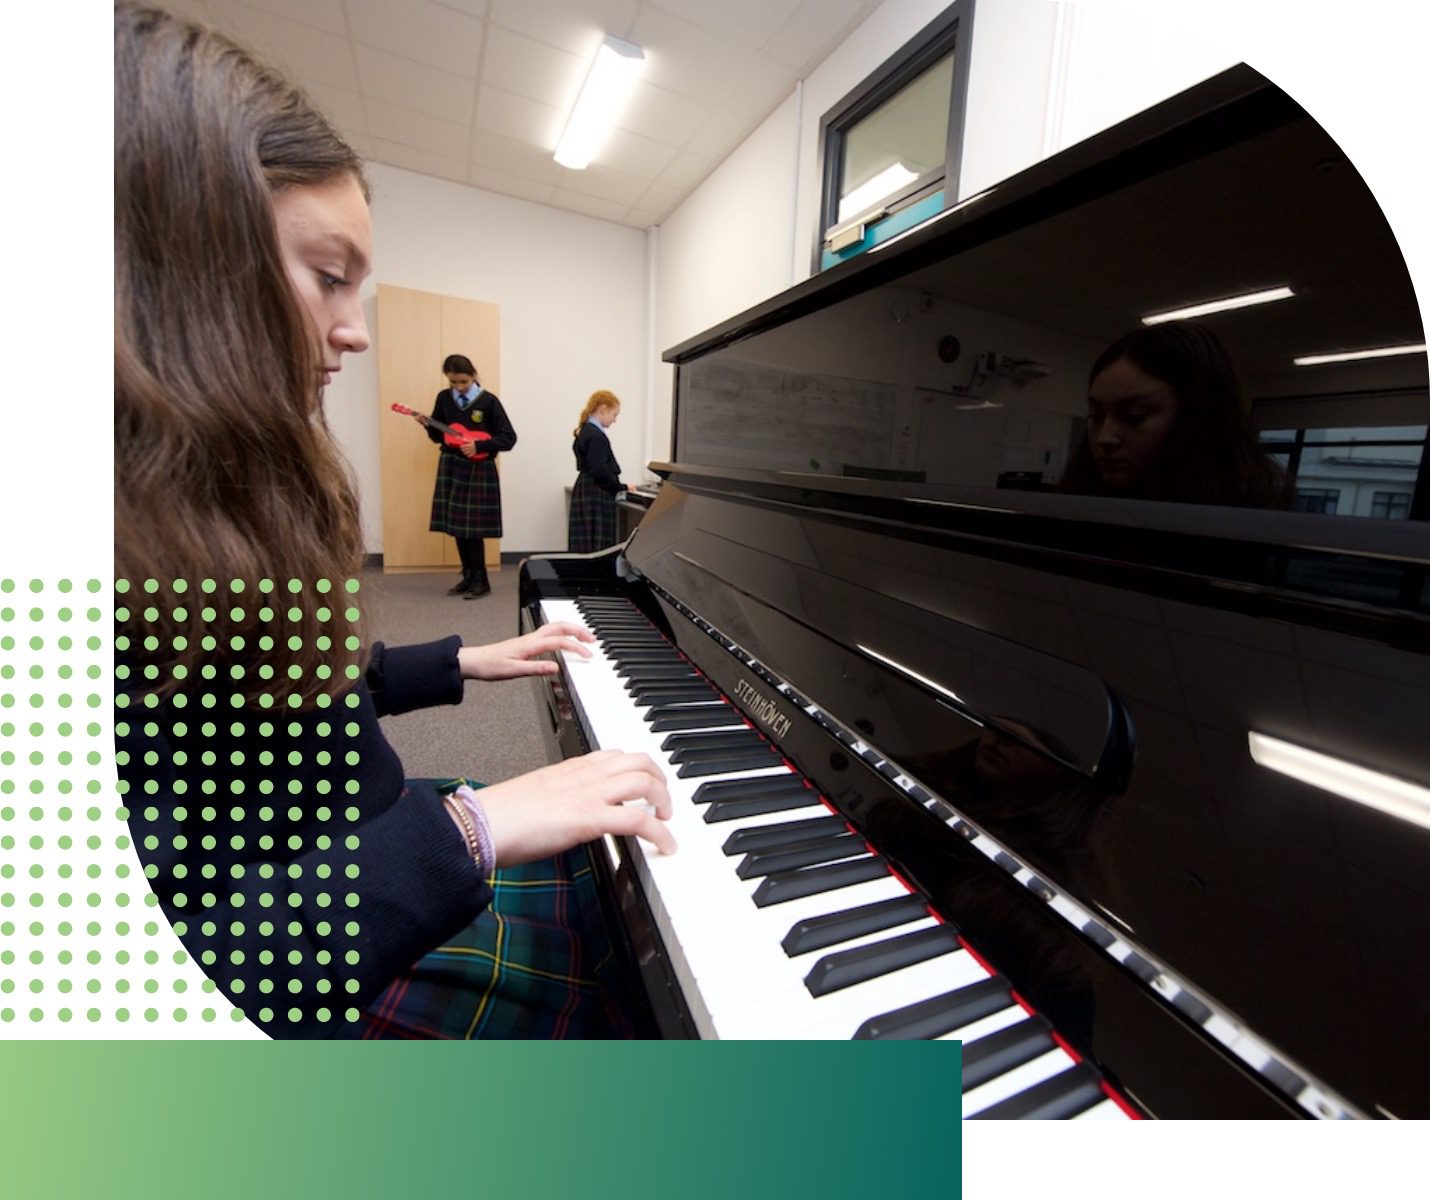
(455, 436)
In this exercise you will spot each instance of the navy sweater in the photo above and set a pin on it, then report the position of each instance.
(298, 867)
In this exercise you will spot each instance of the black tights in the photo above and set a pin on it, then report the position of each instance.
(474, 559)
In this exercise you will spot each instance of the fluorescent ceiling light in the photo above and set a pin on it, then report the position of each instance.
(608, 86)
(1213, 306)
(1315, 360)
(887, 181)
(1385, 793)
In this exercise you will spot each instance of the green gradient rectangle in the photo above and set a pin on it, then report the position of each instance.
(692, 1120)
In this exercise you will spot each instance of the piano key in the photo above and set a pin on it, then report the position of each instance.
(815, 933)
(752, 789)
(848, 967)
(941, 1015)
(656, 672)
(985, 1025)
(809, 853)
(747, 841)
(1064, 1095)
(790, 885)
(697, 768)
(725, 759)
(703, 739)
(667, 694)
(1104, 1111)
(696, 716)
(1002, 1051)
(1003, 1087)
(740, 810)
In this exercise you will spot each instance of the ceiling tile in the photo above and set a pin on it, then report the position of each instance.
(721, 134)
(661, 199)
(402, 81)
(397, 155)
(576, 28)
(310, 55)
(422, 31)
(687, 59)
(590, 205)
(320, 14)
(533, 69)
(393, 123)
(509, 185)
(342, 107)
(663, 115)
(605, 184)
(635, 155)
(750, 22)
(640, 220)
(815, 30)
(512, 157)
(761, 88)
(685, 171)
(515, 116)
(473, 8)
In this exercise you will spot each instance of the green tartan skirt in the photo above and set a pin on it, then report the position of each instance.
(538, 963)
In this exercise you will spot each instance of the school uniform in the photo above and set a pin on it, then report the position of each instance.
(593, 524)
(466, 499)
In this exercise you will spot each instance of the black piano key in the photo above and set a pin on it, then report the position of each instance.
(678, 691)
(847, 967)
(815, 933)
(763, 837)
(1054, 1099)
(741, 810)
(655, 672)
(991, 1056)
(940, 1015)
(809, 853)
(710, 740)
(656, 656)
(722, 762)
(751, 789)
(691, 716)
(793, 885)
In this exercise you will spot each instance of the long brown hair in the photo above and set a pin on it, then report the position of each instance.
(224, 467)
(601, 399)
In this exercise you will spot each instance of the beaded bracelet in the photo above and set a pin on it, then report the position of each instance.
(463, 819)
(486, 853)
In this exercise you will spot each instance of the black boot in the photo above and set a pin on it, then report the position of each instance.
(479, 585)
(464, 552)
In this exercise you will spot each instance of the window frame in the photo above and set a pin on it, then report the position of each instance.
(950, 32)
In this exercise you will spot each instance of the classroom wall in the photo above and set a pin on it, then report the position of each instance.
(572, 291)
(1043, 75)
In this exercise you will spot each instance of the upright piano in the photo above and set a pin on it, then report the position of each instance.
(1131, 797)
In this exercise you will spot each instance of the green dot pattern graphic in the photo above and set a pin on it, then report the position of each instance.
(98, 873)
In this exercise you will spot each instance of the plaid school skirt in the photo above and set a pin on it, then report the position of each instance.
(466, 499)
(538, 964)
(593, 518)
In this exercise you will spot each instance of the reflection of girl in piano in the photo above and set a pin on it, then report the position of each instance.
(593, 524)
(1166, 421)
(270, 812)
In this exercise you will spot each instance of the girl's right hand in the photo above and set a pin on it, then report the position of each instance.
(555, 808)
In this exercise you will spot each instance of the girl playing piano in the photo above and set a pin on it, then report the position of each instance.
(272, 816)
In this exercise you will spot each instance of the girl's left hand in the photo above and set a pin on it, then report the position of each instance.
(517, 657)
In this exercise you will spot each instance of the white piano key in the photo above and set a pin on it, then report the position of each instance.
(1104, 1110)
(992, 1023)
(1019, 1079)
